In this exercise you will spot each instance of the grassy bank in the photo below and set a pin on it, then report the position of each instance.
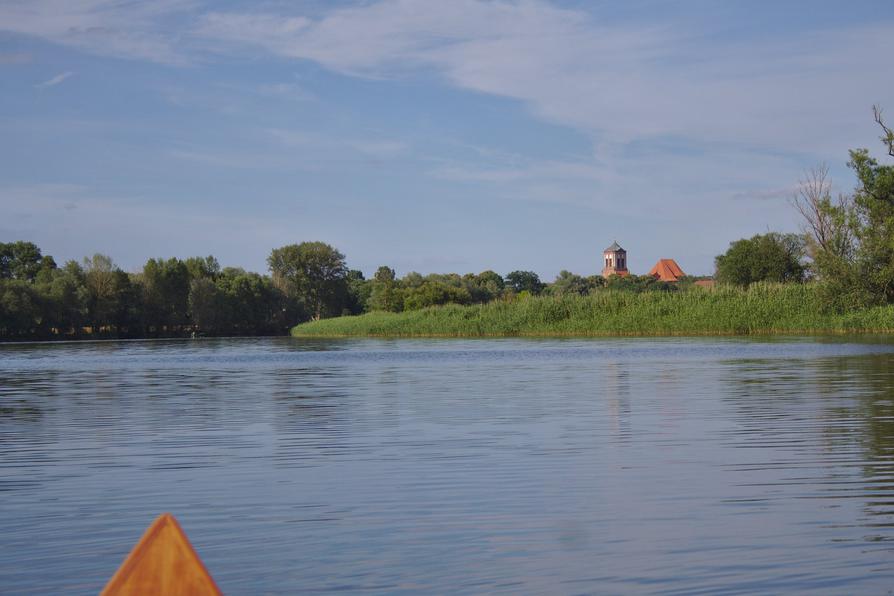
(761, 309)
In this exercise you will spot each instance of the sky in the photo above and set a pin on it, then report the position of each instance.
(429, 135)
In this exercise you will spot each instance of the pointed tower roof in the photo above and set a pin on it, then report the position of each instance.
(615, 247)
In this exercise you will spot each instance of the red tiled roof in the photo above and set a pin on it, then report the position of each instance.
(667, 270)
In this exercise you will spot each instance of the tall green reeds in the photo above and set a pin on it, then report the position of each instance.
(760, 309)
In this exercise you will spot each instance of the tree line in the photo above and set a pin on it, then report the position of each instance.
(181, 297)
(168, 297)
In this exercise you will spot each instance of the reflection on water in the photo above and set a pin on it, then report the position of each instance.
(569, 466)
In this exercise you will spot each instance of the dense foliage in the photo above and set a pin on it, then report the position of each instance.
(771, 257)
(312, 273)
(167, 298)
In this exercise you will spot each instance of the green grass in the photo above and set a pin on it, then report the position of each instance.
(761, 309)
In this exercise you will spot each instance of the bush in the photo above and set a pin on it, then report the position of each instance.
(771, 257)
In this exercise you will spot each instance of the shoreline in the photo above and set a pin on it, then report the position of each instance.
(599, 335)
(769, 310)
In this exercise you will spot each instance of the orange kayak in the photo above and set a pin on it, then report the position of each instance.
(162, 562)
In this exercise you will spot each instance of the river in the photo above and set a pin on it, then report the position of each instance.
(680, 466)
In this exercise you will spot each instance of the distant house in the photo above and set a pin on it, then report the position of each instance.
(615, 259)
(667, 270)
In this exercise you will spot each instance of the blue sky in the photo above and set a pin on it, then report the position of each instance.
(430, 136)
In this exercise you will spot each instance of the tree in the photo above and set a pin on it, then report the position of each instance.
(313, 272)
(639, 283)
(385, 274)
(485, 286)
(254, 304)
(435, 293)
(872, 268)
(166, 289)
(888, 136)
(412, 280)
(385, 292)
(208, 308)
(128, 312)
(569, 283)
(860, 272)
(202, 267)
(20, 311)
(827, 227)
(594, 282)
(491, 280)
(359, 292)
(525, 281)
(102, 289)
(22, 260)
(769, 257)
(65, 297)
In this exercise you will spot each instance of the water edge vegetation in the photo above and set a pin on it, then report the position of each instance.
(762, 308)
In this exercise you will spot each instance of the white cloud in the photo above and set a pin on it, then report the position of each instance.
(55, 80)
(249, 28)
(618, 83)
(372, 39)
(682, 122)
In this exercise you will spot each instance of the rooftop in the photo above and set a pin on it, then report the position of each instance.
(667, 270)
(615, 247)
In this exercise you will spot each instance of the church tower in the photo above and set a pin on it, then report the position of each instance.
(615, 259)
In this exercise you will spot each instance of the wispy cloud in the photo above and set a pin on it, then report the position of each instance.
(687, 126)
(293, 138)
(378, 148)
(15, 57)
(68, 220)
(117, 28)
(289, 91)
(55, 80)
(372, 147)
(615, 82)
(543, 169)
(767, 194)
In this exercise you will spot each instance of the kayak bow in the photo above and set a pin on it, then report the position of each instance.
(162, 562)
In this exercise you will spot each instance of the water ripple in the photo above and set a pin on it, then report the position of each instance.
(721, 466)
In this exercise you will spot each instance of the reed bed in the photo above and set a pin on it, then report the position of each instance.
(759, 310)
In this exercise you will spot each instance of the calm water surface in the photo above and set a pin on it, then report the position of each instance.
(519, 466)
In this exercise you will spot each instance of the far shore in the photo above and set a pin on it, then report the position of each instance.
(765, 309)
